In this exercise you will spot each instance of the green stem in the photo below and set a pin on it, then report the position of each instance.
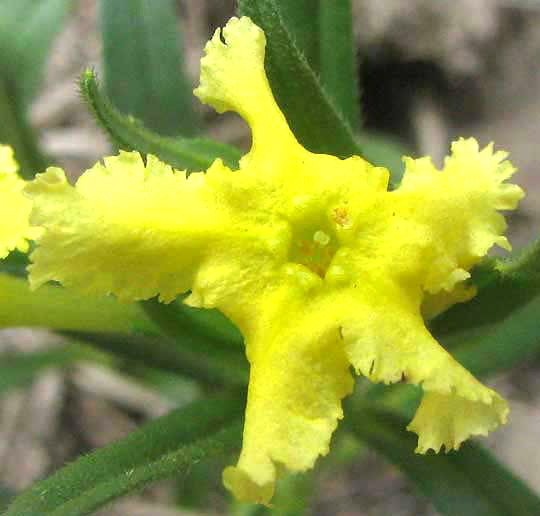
(59, 309)
(15, 131)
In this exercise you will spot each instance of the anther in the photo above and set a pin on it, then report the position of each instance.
(321, 238)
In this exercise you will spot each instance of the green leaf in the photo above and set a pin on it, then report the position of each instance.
(168, 446)
(223, 358)
(15, 264)
(27, 31)
(309, 110)
(294, 494)
(322, 32)
(301, 19)
(57, 308)
(193, 356)
(144, 65)
(503, 286)
(129, 134)
(293, 497)
(502, 345)
(337, 68)
(201, 344)
(209, 322)
(384, 151)
(19, 369)
(16, 131)
(6, 495)
(469, 482)
(498, 328)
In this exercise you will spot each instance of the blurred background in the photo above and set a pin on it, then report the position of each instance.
(429, 72)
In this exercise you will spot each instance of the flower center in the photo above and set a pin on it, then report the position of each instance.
(314, 249)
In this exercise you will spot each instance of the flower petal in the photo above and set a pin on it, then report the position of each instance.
(15, 208)
(138, 230)
(233, 79)
(435, 304)
(299, 374)
(388, 342)
(450, 419)
(459, 206)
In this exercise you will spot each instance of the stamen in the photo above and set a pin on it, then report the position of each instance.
(341, 217)
(314, 249)
(321, 238)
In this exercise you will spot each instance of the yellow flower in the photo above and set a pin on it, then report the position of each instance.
(309, 255)
(14, 207)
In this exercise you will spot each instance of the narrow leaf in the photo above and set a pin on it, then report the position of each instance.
(204, 321)
(144, 65)
(210, 362)
(338, 71)
(498, 328)
(301, 19)
(502, 345)
(163, 448)
(503, 286)
(310, 111)
(225, 357)
(129, 134)
(469, 482)
(384, 151)
(27, 31)
(15, 264)
(6, 495)
(60, 309)
(16, 131)
(293, 497)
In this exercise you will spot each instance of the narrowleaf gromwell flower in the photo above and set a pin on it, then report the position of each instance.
(316, 262)
(15, 230)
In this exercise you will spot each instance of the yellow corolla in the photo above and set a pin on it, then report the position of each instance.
(317, 263)
(15, 208)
